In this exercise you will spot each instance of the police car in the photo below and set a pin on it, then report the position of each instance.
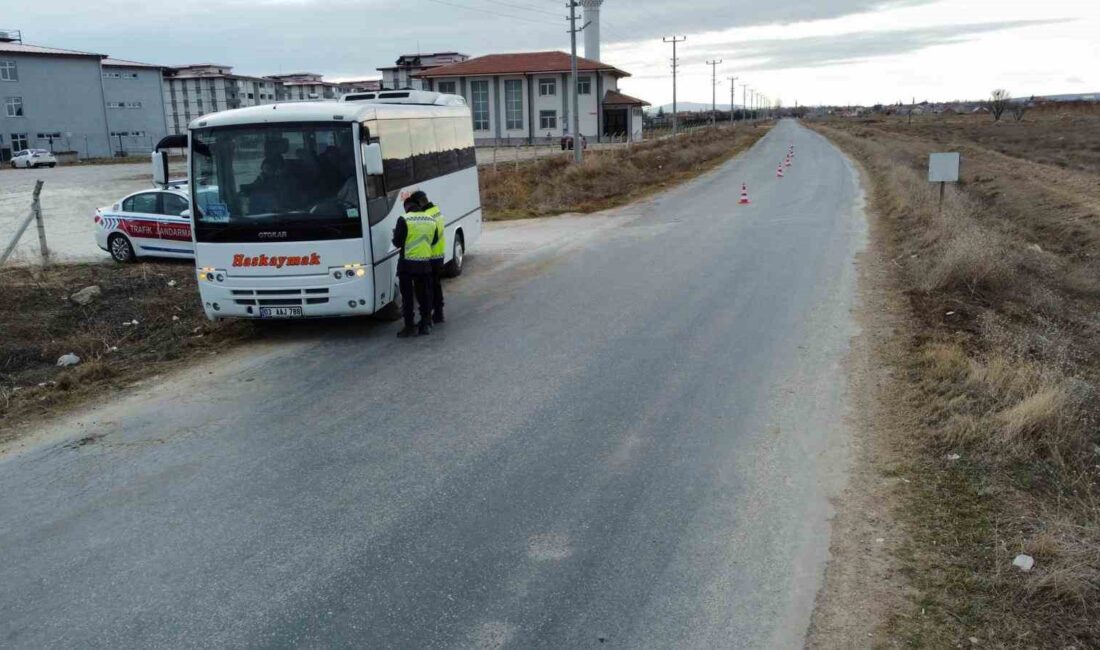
(150, 223)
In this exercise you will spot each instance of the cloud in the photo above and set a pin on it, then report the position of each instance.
(838, 49)
(647, 19)
(353, 37)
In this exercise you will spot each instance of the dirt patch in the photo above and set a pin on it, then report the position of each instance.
(989, 410)
(609, 178)
(862, 586)
(146, 318)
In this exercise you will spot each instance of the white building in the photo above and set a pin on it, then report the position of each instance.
(525, 96)
(403, 73)
(198, 89)
(304, 87)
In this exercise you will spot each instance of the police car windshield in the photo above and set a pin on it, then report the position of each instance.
(287, 182)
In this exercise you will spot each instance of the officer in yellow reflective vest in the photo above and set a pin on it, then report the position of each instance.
(438, 255)
(415, 234)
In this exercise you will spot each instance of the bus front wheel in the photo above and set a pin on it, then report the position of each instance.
(392, 311)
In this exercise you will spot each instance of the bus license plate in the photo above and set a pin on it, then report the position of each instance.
(280, 312)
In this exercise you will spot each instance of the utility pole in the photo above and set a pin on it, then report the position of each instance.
(744, 101)
(578, 148)
(675, 64)
(733, 95)
(714, 90)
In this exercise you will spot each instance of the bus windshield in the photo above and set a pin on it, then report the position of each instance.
(277, 182)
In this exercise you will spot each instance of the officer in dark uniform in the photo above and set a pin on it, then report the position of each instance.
(415, 234)
(438, 253)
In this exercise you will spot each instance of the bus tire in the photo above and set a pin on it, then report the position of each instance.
(453, 269)
(392, 311)
(121, 249)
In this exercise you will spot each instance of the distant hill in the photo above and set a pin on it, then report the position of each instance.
(1078, 97)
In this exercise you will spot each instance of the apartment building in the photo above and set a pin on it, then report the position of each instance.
(201, 88)
(403, 73)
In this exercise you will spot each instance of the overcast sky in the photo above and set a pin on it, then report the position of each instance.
(810, 51)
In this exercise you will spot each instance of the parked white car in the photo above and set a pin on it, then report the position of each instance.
(33, 158)
(151, 223)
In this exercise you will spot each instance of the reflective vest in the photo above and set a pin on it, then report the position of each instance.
(419, 236)
(440, 247)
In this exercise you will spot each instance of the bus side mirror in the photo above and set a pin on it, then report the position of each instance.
(372, 159)
(186, 214)
(160, 167)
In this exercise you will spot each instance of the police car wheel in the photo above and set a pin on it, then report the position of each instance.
(121, 249)
(454, 267)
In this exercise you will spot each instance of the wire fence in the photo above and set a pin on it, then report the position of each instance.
(34, 213)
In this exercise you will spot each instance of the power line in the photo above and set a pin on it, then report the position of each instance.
(524, 7)
(494, 13)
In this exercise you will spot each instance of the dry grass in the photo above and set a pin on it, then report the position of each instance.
(1002, 368)
(553, 185)
(39, 324)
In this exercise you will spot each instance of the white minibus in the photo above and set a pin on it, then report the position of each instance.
(294, 204)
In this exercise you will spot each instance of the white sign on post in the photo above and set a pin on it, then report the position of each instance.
(943, 168)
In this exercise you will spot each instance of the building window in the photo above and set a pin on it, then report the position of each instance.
(479, 94)
(133, 104)
(13, 106)
(19, 141)
(111, 75)
(115, 105)
(8, 71)
(548, 87)
(513, 104)
(584, 85)
(548, 119)
(447, 87)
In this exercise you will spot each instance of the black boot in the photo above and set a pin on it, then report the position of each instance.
(425, 328)
(406, 332)
(437, 317)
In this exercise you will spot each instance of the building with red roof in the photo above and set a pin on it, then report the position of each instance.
(524, 96)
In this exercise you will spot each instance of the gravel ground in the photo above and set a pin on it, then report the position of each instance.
(70, 196)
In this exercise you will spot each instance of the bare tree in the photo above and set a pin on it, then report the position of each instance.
(998, 102)
(1018, 110)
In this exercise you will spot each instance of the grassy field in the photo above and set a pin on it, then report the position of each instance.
(608, 178)
(147, 318)
(996, 385)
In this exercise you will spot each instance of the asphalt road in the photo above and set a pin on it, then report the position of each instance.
(627, 440)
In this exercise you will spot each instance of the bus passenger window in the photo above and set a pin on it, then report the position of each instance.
(423, 149)
(396, 153)
(447, 143)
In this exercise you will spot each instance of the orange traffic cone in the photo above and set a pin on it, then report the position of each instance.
(744, 195)
(787, 162)
(779, 171)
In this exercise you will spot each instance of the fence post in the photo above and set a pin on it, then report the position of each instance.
(36, 206)
(494, 159)
(517, 159)
(34, 213)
